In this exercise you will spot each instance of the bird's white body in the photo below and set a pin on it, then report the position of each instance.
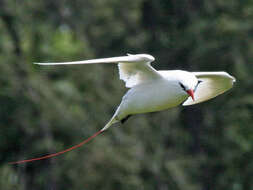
(156, 95)
(152, 90)
(151, 97)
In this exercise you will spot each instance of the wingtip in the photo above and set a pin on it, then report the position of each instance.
(233, 79)
(36, 63)
(230, 76)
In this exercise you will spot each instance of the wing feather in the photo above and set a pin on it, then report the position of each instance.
(123, 59)
(212, 85)
(133, 69)
(134, 74)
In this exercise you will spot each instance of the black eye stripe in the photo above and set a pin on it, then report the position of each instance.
(182, 86)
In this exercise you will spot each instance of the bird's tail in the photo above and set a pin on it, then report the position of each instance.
(109, 124)
(112, 121)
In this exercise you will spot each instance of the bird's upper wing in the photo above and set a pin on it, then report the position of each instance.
(212, 84)
(133, 69)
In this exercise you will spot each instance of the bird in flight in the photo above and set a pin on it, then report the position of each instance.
(151, 90)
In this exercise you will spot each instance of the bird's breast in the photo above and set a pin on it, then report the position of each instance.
(155, 96)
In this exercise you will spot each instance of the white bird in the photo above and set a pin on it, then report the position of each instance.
(152, 90)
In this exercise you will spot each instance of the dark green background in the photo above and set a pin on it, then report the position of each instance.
(47, 109)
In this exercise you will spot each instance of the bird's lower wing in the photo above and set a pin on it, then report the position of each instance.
(212, 85)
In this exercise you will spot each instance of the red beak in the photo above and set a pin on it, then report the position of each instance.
(191, 93)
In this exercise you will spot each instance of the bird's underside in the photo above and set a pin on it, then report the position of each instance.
(152, 90)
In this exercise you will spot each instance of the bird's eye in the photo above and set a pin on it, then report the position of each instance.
(200, 81)
(182, 86)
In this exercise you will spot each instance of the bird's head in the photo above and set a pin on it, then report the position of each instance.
(188, 83)
(188, 90)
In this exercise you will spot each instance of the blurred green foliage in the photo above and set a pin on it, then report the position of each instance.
(47, 109)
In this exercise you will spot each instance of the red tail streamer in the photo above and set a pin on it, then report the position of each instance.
(58, 153)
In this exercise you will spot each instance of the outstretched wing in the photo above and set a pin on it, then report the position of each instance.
(212, 84)
(133, 69)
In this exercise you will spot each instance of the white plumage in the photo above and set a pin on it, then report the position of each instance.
(152, 90)
(212, 85)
